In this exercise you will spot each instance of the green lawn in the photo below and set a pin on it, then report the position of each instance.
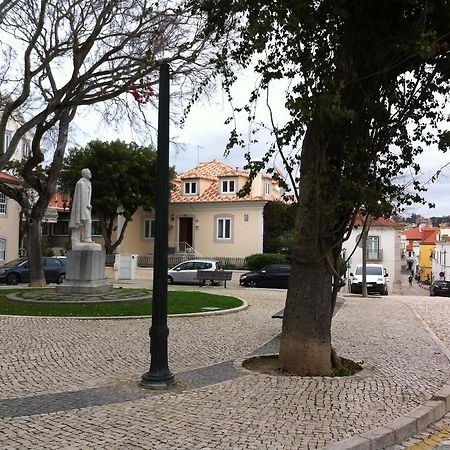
(179, 302)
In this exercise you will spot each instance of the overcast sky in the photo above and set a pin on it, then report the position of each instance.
(205, 136)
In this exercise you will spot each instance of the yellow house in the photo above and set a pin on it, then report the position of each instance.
(206, 216)
(427, 246)
(9, 222)
(9, 208)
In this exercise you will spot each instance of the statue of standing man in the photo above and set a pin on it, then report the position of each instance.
(80, 217)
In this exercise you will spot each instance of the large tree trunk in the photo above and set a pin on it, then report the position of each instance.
(37, 278)
(306, 337)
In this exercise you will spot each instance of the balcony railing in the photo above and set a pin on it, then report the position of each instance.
(374, 254)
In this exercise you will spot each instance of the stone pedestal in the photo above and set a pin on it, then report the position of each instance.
(85, 273)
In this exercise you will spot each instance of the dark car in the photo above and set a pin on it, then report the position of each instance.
(440, 287)
(17, 271)
(273, 276)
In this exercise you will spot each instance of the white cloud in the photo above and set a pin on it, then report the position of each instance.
(204, 138)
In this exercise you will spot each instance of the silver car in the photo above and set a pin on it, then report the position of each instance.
(186, 272)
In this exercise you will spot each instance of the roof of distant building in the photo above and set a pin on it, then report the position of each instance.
(58, 202)
(7, 178)
(429, 235)
(213, 171)
(380, 222)
(413, 234)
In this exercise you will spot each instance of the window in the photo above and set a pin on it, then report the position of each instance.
(45, 228)
(190, 188)
(373, 248)
(7, 141)
(61, 228)
(187, 266)
(228, 187)
(2, 249)
(96, 229)
(26, 149)
(370, 270)
(2, 203)
(149, 228)
(267, 188)
(223, 228)
(52, 262)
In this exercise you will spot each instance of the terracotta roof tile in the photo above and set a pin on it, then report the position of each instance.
(429, 235)
(412, 233)
(211, 171)
(7, 178)
(380, 222)
(57, 202)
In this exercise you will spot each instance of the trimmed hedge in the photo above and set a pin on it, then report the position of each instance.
(259, 260)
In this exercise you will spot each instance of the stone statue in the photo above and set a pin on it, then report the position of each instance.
(80, 215)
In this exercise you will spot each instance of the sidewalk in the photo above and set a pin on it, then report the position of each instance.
(72, 384)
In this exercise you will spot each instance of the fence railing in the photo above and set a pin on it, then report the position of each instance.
(147, 261)
(374, 254)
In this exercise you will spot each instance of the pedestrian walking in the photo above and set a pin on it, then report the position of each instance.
(410, 280)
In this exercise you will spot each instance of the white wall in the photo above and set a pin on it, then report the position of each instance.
(441, 261)
(390, 243)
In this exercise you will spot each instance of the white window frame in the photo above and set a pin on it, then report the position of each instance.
(26, 148)
(373, 247)
(228, 186)
(190, 188)
(148, 229)
(7, 141)
(267, 189)
(2, 249)
(222, 233)
(3, 203)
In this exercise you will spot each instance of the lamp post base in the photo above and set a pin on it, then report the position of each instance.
(150, 381)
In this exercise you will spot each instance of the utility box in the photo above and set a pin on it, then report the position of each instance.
(125, 267)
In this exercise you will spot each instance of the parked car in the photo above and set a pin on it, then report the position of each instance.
(272, 276)
(440, 287)
(186, 272)
(17, 271)
(376, 279)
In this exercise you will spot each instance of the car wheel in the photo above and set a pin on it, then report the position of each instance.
(169, 280)
(252, 284)
(12, 278)
(61, 278)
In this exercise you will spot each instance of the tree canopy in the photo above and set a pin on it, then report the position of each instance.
(62, 56)
(123, 180)
(366, 84)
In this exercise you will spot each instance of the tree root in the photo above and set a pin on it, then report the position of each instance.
(335, 360)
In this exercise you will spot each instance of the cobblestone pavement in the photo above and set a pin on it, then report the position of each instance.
(72, 384)
(432, 311)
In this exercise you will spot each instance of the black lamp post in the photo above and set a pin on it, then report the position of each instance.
(159, 376)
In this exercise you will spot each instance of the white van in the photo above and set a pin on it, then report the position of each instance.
(376, 278)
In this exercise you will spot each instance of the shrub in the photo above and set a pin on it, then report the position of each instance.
(260, 260)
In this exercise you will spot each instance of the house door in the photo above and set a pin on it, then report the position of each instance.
(185, 232)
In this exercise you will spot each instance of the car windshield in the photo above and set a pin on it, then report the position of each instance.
(370, 270)
(15, 262)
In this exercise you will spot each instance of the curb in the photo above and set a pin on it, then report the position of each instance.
(199, 314)
(413, 422)
(397, 431)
